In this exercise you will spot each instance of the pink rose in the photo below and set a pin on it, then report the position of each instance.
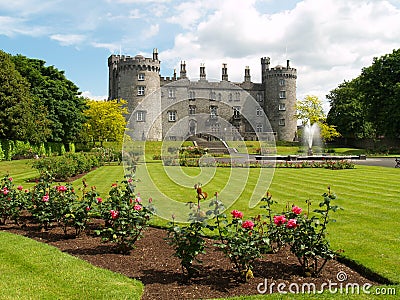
(10, 179)
(279, 220)
(20, 188)
(297, 210)
(150, 200)
(236, 214)
(114, 214)
(5, 191)
(137, 207)
(138, 200)
(130, 180)
(248, 225)
(292, 223)
(99, 200)
(87, 208)
(45, 198)
(61, 188)
(114, 185)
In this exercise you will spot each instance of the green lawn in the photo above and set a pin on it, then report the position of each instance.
(366, 228)
(33, 270)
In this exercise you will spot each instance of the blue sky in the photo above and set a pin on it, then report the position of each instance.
(327, 41)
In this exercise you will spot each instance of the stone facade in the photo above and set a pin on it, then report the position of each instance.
(176, 107)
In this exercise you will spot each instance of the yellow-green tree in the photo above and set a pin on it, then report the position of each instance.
(106, 121)
(310, 110)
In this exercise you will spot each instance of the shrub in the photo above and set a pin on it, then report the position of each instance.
(125, 216)
(242, 241)
(303, 233)
(68, 165)
(187, 240)
(12, 200)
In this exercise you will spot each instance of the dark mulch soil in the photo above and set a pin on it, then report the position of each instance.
(153, 263)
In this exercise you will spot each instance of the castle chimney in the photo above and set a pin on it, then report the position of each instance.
(287, 64)
(202, 71)
(247, 77)
(183, 70)
(224, 72)
(155, 54)
(174, 74)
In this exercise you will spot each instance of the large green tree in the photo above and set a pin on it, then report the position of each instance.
(309, 110)
(21, 118)
(369, 105)
(105, 121)
(348, 111)
(60, 96)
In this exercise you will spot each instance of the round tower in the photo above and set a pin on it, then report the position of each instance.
(280, 100)
(133, 78)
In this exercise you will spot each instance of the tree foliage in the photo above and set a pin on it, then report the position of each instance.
(60, 96)
(369, 105)
(21, 118)
(309, 110)
(105, 121)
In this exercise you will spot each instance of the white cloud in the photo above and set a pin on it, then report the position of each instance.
(152, 31)
(327, 41)
(138, 1)
(68, 39)
(89, 95)
(12, 26)
(112, 47)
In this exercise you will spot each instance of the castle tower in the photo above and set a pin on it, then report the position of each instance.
(280, 98)
(133, 78)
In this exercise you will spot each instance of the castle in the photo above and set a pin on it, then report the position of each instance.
(175, 108)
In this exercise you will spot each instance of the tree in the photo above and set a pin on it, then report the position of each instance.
(348, 112)
(105, 121)
(310, 110)
(380, 88)
(21, 118)
(59, 95)
(369, 106)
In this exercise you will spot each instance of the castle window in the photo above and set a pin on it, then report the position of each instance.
(140, 116)
(172, 115)
(260, 97)
(141, 76)
(259, 112)
(282, 94)
(282, 106)
(219, 97)
(230, 97)
(140, 90)
(259, 128)
(237, 96)
(192, 95)
(281, 122)
(192, 109)
(213, 112)
(171, 93)
(212, 96)
(236, 112)
(281, 82)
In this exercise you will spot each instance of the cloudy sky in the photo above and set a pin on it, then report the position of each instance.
(328, 41)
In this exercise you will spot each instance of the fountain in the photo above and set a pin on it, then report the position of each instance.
(310, 132)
